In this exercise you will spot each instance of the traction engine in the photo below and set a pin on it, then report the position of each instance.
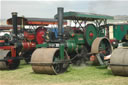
(16, 46)
(71, 46)
(20, 44)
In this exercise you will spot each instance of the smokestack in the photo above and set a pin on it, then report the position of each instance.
(60, 21)
(14, 22)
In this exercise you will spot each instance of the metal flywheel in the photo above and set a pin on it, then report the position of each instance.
(90, 34)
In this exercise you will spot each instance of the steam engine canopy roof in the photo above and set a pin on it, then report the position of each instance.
(84, 16)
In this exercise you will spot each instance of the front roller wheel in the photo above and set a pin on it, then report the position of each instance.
(47, 61)
(9, 64)
(3, 54)
(119, 62)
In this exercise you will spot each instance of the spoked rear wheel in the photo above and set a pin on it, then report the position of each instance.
(27, 56)
(82, 57)
(101, 44)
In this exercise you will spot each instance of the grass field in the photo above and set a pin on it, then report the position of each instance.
(88, 75)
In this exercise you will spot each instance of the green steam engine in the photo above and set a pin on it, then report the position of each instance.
(73, 45)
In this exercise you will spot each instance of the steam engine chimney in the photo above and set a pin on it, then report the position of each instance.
(60, 22)
(14, 22)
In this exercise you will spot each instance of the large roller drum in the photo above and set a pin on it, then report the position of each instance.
(47, 61)
(90, 34)
(3, 54)
(119, 62)
(9, 63)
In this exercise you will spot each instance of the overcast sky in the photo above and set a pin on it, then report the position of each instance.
(48, 8)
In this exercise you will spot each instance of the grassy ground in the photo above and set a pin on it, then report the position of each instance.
(74, 76)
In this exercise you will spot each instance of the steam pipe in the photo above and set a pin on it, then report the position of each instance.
(60, 22)
(14, 22)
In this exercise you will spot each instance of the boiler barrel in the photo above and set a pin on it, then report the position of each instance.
(119, 62)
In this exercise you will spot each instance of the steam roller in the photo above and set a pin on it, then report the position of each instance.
(119, 61)
(73, 47)
(13, 47)
(47, 61)
(9, 58)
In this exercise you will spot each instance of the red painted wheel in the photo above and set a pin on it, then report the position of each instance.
(40, 32)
